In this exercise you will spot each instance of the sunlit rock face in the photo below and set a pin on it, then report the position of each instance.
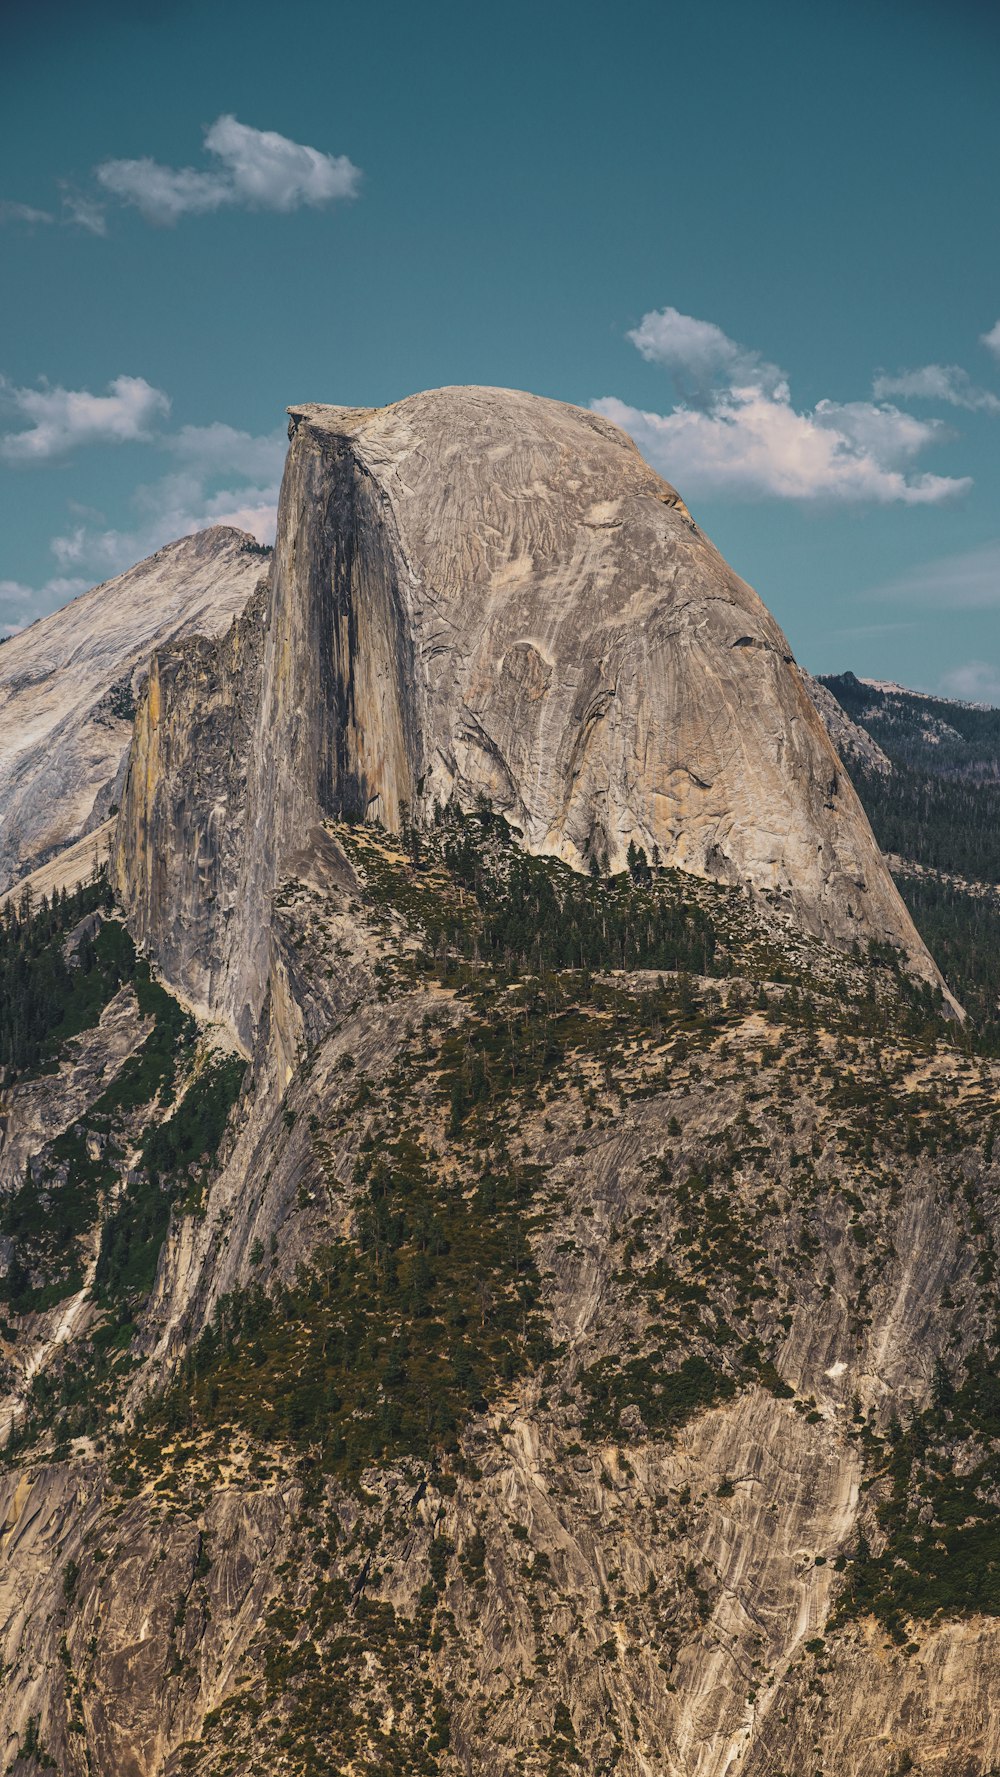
(477, 592)
(69, 683)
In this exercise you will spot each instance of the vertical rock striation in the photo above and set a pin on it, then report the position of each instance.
(477, 592)
(69, 683)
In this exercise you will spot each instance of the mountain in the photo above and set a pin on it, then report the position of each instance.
(854, 744)
(482, 593)
(68, 687)
(936, 814)
(480, 1294)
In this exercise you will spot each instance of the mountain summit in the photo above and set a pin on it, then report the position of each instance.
(479, 593)
(68, 686)
(498, 1248)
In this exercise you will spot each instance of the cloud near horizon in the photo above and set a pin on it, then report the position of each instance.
(224, 476)
(974, 682)
(60, 419)
(20, 604)
(256, 169)
(735, 432)
(968, 581)
(219, 475)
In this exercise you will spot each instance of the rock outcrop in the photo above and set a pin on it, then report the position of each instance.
(569, 1343)
(480, 593)
(854, 744)
(68, 687)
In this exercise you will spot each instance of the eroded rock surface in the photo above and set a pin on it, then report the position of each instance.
(571, 1346)
(68, 687)
(854, 744)
(477, 592)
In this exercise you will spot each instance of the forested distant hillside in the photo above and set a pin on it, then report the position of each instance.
(938, 814)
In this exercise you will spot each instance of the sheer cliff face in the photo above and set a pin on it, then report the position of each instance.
(68, 687)
(479, 592)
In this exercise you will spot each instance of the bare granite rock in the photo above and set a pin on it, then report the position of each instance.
(68, 687)
(478, 592)
(854, 744)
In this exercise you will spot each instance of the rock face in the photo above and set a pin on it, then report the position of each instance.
(574, 1349)
(660, 1591)
(68, 687)
(482, 593)
(854, 744)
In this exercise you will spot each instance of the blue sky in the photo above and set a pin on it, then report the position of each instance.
(764, 238)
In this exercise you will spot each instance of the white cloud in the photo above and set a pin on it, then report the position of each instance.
(755, 447)
(975, 682)
(699, 356)
(256, 168)
(937, 382)
(172, 507)
(737, 432)
(224, 449)
(60, 419)
(992, 338)
(219, 475)
(13, 212)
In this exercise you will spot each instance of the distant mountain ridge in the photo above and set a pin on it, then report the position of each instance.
(936, 815)
(498, 1229)
(918, 729)
(69, 684)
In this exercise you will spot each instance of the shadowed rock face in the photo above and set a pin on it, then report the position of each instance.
(68, 687)
(480, 592)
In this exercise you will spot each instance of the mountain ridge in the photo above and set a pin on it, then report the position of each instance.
(560, 1333)
(482, 593)
(68, 685)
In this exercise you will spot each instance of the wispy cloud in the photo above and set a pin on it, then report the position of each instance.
(218, 474)
(246, 168)
(992, 339)
(258, 169)
(174, 506)
(221, 449)
(735, 431)
(969, 581)
(700, 357)
(976, 682)
(224, 476)
(79, 208)
(937, 382)
(14, 212)
(60, 419)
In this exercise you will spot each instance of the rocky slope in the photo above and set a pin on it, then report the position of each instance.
(853, 743)
(477, 592)
(575, 1441)
(68, 687)
(568, 1340)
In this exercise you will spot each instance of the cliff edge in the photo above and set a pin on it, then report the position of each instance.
(478, 592)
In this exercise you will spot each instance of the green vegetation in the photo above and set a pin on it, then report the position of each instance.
(962, 932)
(940, 809)
(62, 964)
(939, 1517)
(387, 1344)
(665, 1398)
(176, 1157)
(45, 995)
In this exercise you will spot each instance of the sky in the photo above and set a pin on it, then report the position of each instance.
(761, 238)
